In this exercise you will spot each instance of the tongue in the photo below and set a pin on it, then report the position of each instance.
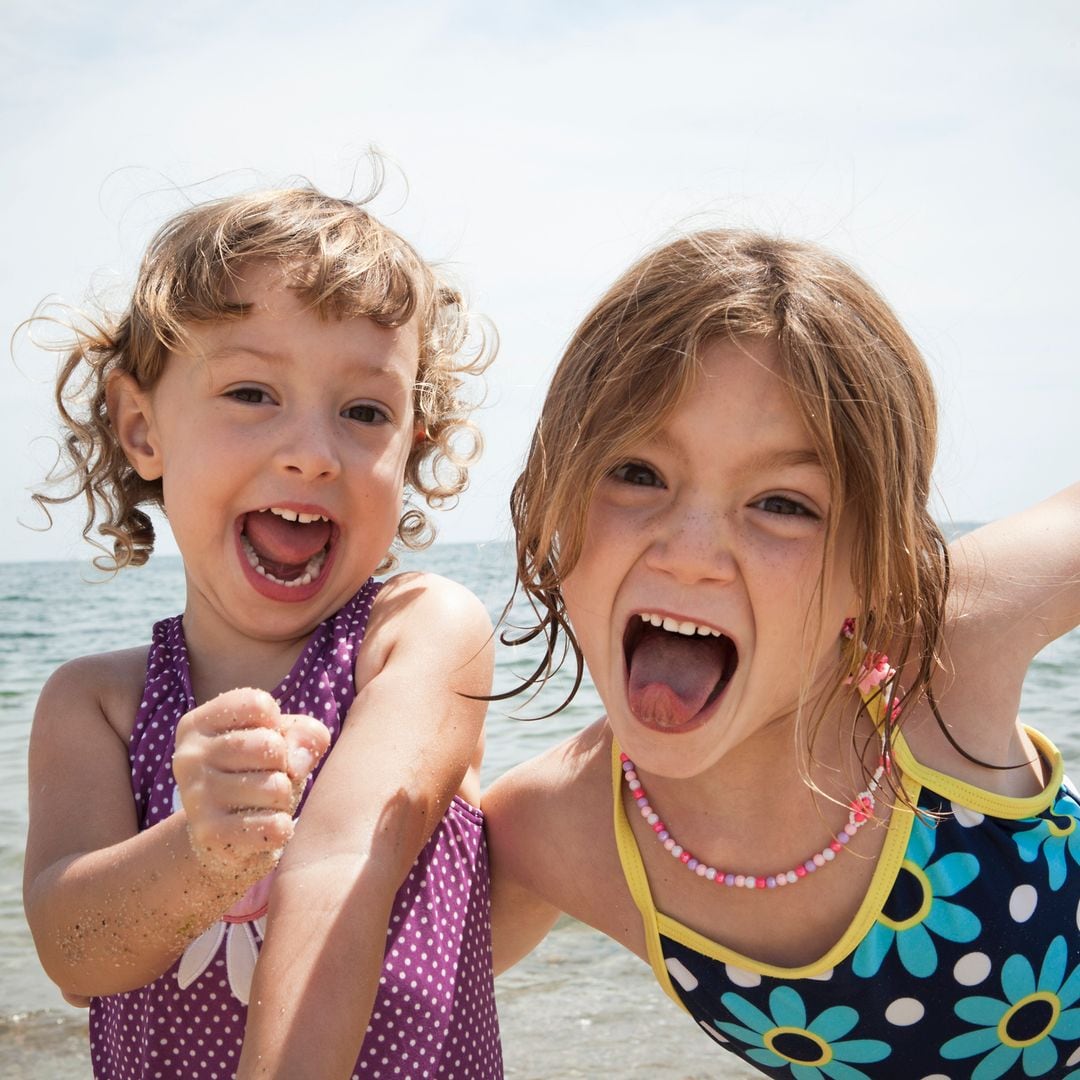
(672, 676)
(284, 543)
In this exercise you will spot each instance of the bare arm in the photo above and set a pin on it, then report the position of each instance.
(520, 917)
(1018, 579)
(552, 847)
(407, 745)
(1015, 588)
(110, 907)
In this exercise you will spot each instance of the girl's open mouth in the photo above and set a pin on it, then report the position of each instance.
(287, 549)
(675, 670)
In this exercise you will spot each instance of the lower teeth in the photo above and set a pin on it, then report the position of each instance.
(311, 570)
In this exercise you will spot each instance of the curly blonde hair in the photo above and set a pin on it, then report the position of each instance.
(857, 379)
(341, 261)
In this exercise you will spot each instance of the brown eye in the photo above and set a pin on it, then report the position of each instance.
(633, 472)
(366, 414)
(252, 395)
(783, 506)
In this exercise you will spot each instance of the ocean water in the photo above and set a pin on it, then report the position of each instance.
(578, 1007)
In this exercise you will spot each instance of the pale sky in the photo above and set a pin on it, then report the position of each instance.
(545, 146)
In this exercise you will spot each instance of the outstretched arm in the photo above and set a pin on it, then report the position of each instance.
(520, 918)
(410, 739)
(553, 850)
(110, 907)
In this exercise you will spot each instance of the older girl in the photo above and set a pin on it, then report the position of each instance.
(810, 805)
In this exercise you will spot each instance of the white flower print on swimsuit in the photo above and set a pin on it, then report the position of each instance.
(237, 928)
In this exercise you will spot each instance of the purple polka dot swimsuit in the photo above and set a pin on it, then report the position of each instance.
(434, 1010)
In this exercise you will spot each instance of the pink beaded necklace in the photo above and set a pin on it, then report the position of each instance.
(874, 671)
(859, 810)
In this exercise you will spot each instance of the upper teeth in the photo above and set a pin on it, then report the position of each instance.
(295, 515)
(676, 627)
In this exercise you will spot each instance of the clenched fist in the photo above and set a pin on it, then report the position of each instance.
(240, 766)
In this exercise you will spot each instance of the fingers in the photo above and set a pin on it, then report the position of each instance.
(254, 791)
(306, 740)
(251, 750)
(240, 767)
(249, 838)
(243, 813)
(243, 708)
(238, 731)
(235, 710)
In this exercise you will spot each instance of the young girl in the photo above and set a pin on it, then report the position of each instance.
(286, 367)
(810, 806)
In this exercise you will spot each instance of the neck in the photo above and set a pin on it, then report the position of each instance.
(223, 659)
(774, 767)
(766, 817)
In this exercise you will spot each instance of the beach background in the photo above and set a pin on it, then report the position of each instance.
(534, 149)
(578, 1007)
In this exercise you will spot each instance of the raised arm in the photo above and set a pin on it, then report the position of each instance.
(110, 907)
(411, 740)
(1019, 578)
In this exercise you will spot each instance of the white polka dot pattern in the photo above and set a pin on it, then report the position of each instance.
(434, 1013)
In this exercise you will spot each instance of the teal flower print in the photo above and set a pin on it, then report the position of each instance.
(1024, 1025)
(1057, 836)
(810, 1050)
(924, 911)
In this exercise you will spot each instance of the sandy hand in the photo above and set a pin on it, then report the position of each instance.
(240, 765)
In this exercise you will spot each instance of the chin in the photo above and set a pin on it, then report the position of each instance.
(679, 755)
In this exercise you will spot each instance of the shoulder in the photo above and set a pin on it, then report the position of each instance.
(551, 834)
(428, 638)
(427, 615)
(109, 684)
(418, 596)
(568, 770)
(104, 674)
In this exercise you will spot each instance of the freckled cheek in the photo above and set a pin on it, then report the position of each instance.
(795, 566)
(791, 578)
(610, 531)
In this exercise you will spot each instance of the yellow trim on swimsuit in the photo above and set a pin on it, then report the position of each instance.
(890, 861)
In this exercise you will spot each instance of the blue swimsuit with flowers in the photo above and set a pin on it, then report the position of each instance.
(962, 961)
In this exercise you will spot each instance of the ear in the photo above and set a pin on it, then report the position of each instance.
(132, 420)
(419, 433)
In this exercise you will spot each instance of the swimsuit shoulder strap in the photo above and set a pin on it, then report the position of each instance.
(637, 880)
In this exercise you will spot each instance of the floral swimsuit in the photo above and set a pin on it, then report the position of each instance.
(962, 961)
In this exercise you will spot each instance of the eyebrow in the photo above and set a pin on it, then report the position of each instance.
(762, 461)
(234, 352)
(781, 459)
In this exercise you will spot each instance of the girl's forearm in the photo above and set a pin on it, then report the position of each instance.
(322, 957)
(112, 920)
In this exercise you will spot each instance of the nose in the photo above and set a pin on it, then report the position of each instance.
(694, 544)
(307, 449)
